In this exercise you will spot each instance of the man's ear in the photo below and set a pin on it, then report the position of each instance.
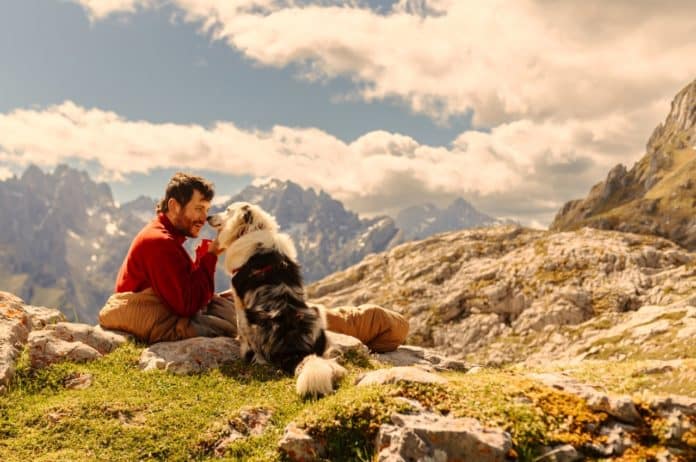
(173, 205)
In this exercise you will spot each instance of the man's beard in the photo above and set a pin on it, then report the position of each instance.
(185, 225)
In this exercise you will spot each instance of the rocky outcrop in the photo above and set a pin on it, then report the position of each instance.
(429, 436)
(502, 294)
(13, 334)
(658, 194)
(47, 338)
(399, 374)
(410, 355)
(191, 355)
(67, 341)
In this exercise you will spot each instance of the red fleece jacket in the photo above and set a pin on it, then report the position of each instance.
(158, 259)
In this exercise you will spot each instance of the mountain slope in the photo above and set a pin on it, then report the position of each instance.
(508, 294)
(658, 194)
(62, 239)
(420, 221)
(330, 238)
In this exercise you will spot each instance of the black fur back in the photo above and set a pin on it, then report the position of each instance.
(283, 271)
(276, 305)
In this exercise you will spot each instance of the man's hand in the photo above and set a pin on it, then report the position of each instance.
(214, 248)
(207, 246)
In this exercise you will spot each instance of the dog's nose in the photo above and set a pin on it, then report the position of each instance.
(210, 219)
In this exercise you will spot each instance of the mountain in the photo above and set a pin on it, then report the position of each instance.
(420, 221)
(658, 194)
(330, 238)
(62, 239)
(327, 236)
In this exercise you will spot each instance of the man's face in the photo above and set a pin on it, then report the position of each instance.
(190, 218)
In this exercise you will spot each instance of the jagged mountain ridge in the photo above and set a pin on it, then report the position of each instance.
(658, 194)
(327, 236)
(421, 221)
(330, 238)
(63, 237)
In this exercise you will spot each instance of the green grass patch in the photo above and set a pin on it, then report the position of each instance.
(127, 414)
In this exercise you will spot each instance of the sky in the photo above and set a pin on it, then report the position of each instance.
(515, 105)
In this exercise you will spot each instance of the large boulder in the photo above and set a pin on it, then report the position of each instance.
(429, 436)
(191, 355)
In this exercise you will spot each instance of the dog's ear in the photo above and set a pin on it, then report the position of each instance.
(248, 215)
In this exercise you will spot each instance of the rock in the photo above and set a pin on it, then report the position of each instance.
(191, 355)
(429, 436)
(104, 341)
(621, 407)
(250, 422)
(408, 355)
(565, 453)
(68, 341)
(39, 316)
(475, 293)
(78, 381)
(618, 439)
(340, 345)
(664, 405)
(13, 334)
(399, 374)
(46, 349)
(298, 446)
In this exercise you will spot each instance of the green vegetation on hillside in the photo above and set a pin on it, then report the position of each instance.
(127, 414)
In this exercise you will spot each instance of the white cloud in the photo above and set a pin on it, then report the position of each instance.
(504, 59)
(524, 166)
(5, 173)
(565, 89)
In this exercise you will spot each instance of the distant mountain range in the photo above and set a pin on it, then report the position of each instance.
(63, 238)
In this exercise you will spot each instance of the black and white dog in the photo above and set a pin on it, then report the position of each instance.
(274, 323)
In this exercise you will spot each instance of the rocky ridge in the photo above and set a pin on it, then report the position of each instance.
(658, 194)
(507, 294)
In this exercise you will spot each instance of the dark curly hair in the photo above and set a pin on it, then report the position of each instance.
(181, 187)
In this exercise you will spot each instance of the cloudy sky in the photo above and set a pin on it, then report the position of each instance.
(517, 106)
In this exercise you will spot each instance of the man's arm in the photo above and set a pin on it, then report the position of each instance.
(184, 287)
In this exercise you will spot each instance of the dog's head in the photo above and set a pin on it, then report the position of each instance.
(238, 219)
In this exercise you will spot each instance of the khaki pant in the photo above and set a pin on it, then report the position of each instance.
(380, 329)
(145, 316)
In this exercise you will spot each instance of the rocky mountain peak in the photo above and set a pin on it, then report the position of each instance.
(658, 194)
(420, 221)
(679, 128)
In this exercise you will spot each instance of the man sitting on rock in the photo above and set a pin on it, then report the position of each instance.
(162, 295)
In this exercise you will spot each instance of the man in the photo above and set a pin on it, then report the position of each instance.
(161, 294)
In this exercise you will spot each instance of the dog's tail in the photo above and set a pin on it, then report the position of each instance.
(316, 376)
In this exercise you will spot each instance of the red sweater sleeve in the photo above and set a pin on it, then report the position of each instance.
(185, 286)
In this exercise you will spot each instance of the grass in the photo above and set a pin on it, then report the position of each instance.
(128, 414)
(636, 377)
